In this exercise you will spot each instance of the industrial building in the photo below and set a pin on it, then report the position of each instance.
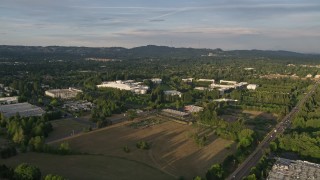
(128, 85)
(291, 169)
(9, 100)
(63, 93)
(173, 93)
(23, 109)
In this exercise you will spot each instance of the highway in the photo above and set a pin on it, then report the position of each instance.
(252, 160)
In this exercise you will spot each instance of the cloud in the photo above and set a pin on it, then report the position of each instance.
(156, 20)
(189, 30)
(245, 22)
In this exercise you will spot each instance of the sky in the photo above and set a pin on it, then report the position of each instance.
(292, 25)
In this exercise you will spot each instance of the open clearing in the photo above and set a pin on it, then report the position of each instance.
(64, 128)
(259, 121)
(172, 149)
(232, 115)
(78, 167)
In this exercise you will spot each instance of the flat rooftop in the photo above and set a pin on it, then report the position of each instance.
(24, 109)
(175, 112)
(290, 169)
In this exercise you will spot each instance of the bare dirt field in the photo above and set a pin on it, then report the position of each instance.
(172, 149)
(84, 167)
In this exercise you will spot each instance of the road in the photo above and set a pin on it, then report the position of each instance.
(244, 168)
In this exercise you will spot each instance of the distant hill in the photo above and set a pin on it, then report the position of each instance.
(165, 51)
(150, 51)
(58, 51)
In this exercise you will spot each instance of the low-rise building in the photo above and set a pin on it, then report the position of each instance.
(228, 82)
(222, 86)
(291, 65)
(63, 93)
(201, 88)
(78, 106)
(9, 100)
(206, 80)
(156, 80)
(23, 109)
(193, 108)
(222, 91)
(309, 76)
(228, 85)
(175, 113)
(9, 89)
(225, 100)
(252, 86)
(248, 69)
(187, 80)
(211, 54)
(294, 76)
(317, 76)
(129, 85)
(173, 93)
(291, 169)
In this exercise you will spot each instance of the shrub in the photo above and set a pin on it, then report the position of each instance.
(126, 149)
(27, 172)
(54, 177)
(143, 145)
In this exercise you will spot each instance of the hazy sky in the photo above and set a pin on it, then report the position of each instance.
(227, 24)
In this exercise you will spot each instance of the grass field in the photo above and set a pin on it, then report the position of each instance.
(64, 128)
(78, 167)
(173, 152)
(172, 149)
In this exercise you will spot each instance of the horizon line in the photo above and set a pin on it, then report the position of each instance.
(300, 52)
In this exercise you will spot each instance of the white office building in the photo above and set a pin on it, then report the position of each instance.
(173, 93)
(156, 80)
(63, 93)
(228, 82)
(9, 100)
(206, 80)
(252, 86)
(128, 85)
